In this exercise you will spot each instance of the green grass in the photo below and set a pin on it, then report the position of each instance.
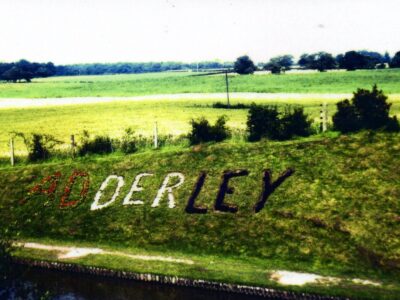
(337, 215)
(171, 83)
(172, 116)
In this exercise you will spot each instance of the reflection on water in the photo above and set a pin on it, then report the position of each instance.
(35, 283)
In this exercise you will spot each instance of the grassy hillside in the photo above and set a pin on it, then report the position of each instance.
(171, 83)
(338, 214)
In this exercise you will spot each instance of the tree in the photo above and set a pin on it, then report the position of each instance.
(386, 58)
(323, 61)
(244, 65)
(367, 110)
(279, 63)
(352, 60)
(304, 60)
(395, 62)
(320, 61)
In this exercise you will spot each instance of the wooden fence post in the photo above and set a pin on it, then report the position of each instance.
(155, 136)
(73, 145)
(12, 151)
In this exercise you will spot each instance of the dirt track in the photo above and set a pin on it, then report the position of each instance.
(39, 102)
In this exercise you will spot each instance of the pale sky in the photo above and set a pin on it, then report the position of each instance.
(85, 31)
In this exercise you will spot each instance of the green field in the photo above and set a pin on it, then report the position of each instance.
(337, 215)
(171, 83)
(172, 116)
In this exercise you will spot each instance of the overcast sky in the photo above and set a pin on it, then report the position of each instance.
(79, 31)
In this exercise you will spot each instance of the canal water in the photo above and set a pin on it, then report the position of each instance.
(36, 283)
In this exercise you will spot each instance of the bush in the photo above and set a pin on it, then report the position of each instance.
(99, 145)
(263, 121)
(267, 122)
(367, 110)
(128, 142)
(203, 132)
(295, 123)
(346, 118)
(39, 146)
(231, 106)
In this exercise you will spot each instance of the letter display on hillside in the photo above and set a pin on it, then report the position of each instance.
(166, 191)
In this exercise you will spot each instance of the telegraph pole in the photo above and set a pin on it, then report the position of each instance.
(227, 87)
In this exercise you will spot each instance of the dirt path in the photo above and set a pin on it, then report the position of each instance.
(281, 276)
(40, 102)
(75, 252)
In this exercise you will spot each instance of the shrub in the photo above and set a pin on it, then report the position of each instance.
(346, 118)
(128, 142)
(203, 132)
(231, 106)
(295, 123)
(39, 146)
(262, 121)
(98, 145)
(367, 110)
(267, 122)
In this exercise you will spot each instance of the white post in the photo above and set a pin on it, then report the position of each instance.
(12, 151)
(325, 123)
(155, 135)
(323, 118)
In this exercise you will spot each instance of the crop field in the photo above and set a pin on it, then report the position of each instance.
(183, 82)
(172, 117)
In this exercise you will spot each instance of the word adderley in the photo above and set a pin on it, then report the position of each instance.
(171, 182)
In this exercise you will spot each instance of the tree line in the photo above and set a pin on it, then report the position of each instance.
(25, 70)
(134, 68)
(322, 61)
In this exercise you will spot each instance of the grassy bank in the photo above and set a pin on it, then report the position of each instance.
(337, 215)
(171, 83)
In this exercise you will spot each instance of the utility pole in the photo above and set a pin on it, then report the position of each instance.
(227, 87)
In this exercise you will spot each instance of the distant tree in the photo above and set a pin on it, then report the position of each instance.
(352, 60)
(244, 65)
(12, 74)
(279, 63)
(323, 61)
(304, 60)
(339, 60)
(320, 61)
(25, 70)
(386, 58)
(395, 62)
(372, 59)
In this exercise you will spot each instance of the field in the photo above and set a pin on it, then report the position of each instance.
(172, 83)
(172, 115)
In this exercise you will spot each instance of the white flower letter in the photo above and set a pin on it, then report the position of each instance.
(165, 188)
(135, 188)
(95, 205)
